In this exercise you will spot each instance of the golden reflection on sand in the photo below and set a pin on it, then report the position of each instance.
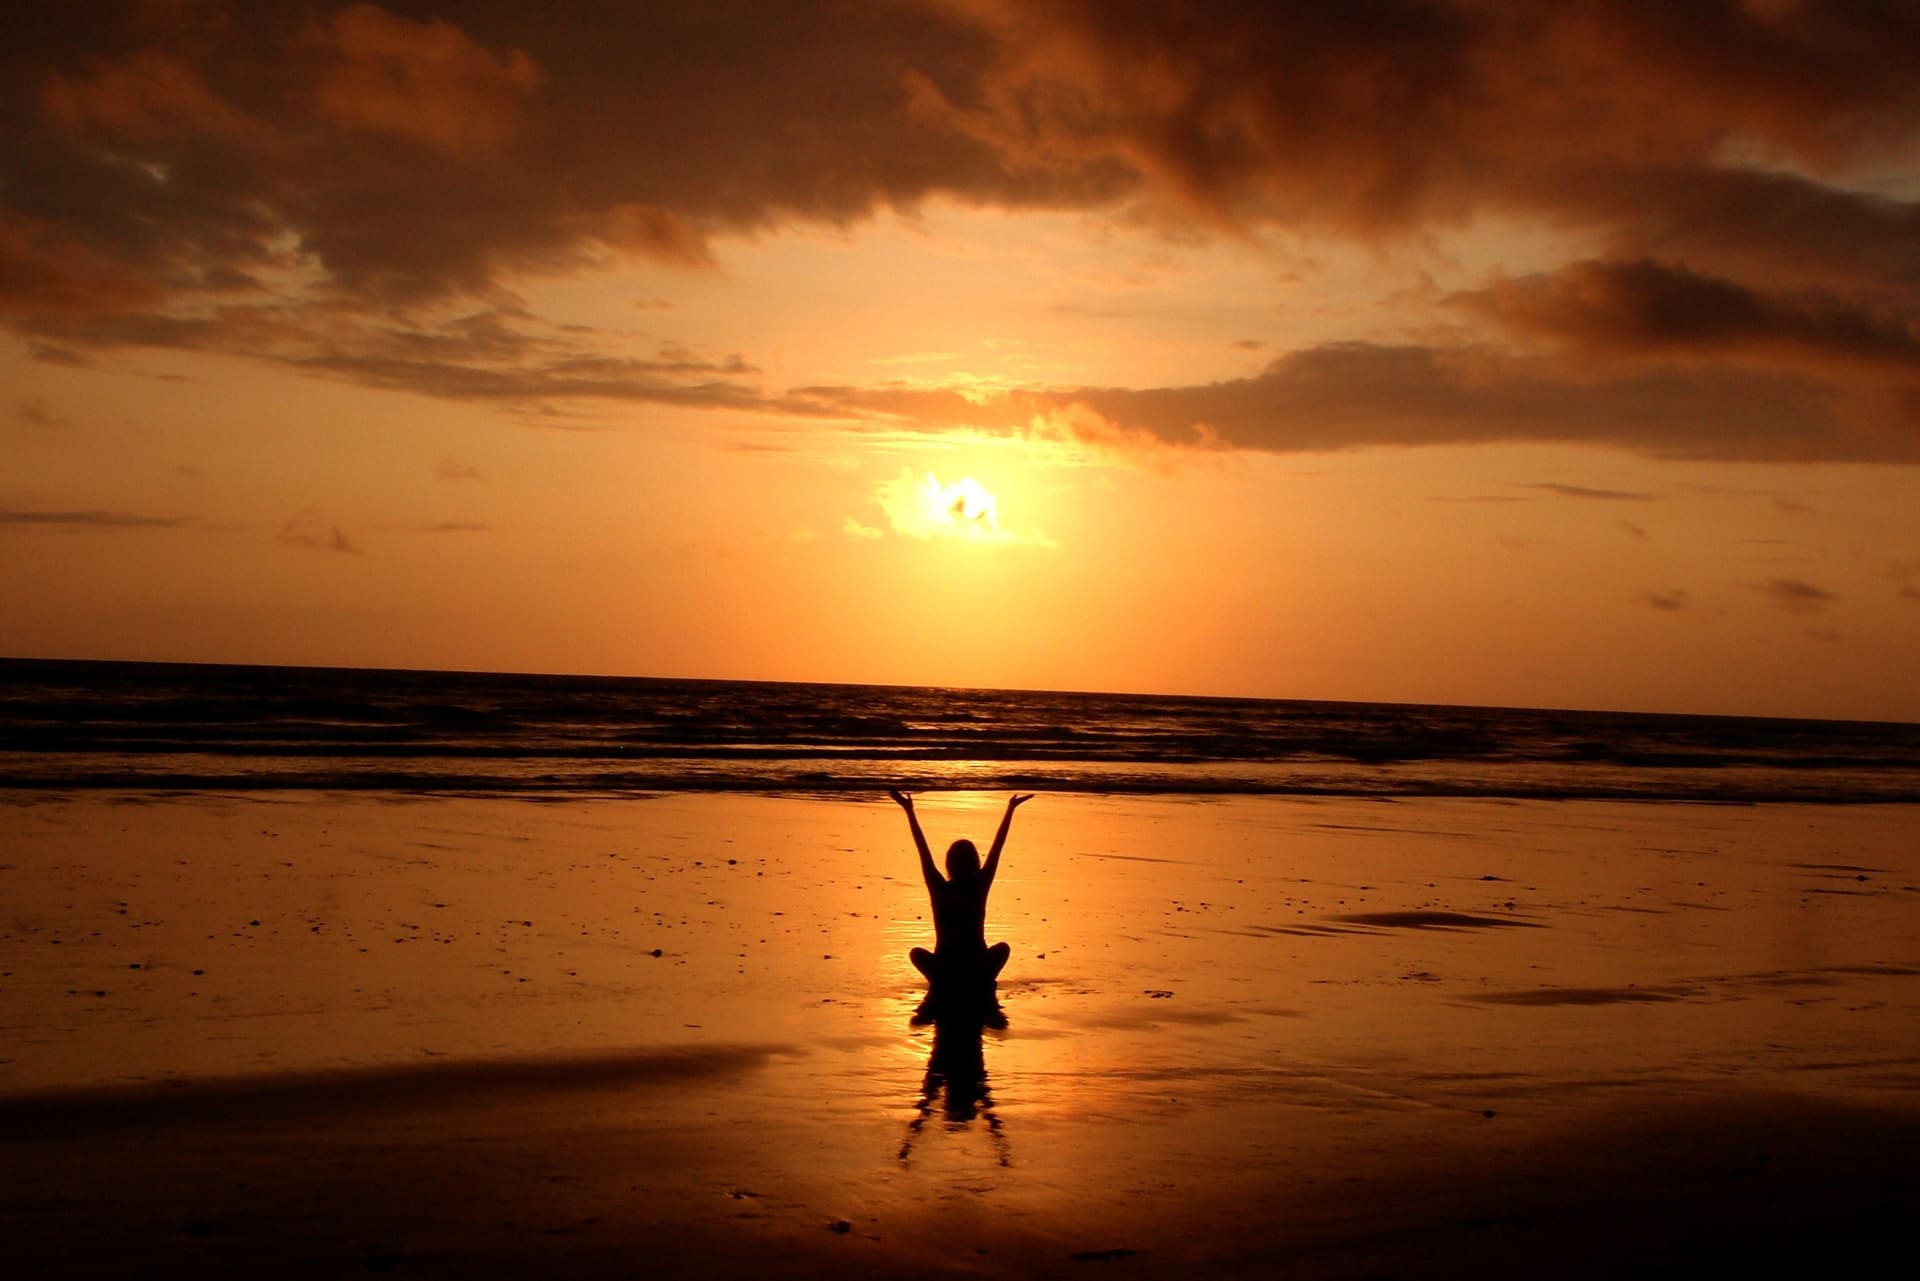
(1210, 1005)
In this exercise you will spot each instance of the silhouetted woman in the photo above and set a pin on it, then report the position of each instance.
(960, 958)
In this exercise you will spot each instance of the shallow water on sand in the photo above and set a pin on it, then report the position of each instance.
(1210, 1003)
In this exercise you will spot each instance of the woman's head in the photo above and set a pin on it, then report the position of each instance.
(963, 861)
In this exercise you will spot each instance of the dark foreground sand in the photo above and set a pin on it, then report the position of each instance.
(320, 1036)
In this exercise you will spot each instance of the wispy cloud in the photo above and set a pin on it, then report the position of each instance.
(37, 413)
(92, 518)
(454, 469)
(1672, 600)
(1906, 576)
(308, 529)
(50, 355)
(1582, 491)
(1795, 595)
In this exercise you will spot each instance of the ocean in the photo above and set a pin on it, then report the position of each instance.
(169, 727)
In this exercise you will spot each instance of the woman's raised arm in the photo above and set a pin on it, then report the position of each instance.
(1000, 837)
(927, 871)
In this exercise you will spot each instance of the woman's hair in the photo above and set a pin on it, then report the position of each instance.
(963, 861)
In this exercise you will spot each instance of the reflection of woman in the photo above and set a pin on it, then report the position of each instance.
(956, 1080)
(960, 952)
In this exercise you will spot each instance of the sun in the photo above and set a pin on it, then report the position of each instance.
(965, 504)
(919, 504)
(924, 506)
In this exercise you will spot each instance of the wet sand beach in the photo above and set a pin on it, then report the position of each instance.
(321, 1034)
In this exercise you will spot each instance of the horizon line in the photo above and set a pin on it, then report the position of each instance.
(969, 689)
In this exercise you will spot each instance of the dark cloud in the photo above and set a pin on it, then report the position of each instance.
(354, 190)
(1348, 395)
(308, 529)
(90, 519)
(1795, 595)
(408, 153)
(500, 354)
(583, 376)
(1671, 600)
(1643, 306)
(1384, 114)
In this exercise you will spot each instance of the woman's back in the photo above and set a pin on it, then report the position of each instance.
(960, 914)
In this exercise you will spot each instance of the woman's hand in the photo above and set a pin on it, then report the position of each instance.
(1016, 801)
(902, 799)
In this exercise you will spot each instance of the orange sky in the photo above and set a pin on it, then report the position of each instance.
(1412, 351)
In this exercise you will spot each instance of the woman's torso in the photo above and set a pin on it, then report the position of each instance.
(960, 915)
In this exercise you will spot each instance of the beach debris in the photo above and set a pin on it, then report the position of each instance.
(1158, 993)
(656, 952)
(840, 1225)
(1103, 1256)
